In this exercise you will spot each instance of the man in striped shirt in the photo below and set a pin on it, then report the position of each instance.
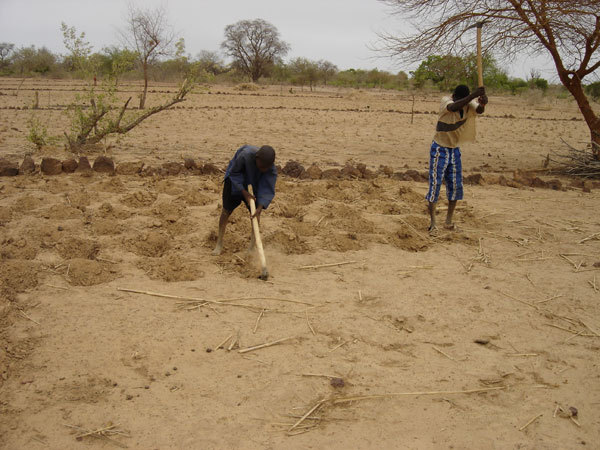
(456, 125)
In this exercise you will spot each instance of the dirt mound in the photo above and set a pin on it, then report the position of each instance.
(5, 215)
(61, 212)
(168, 187)
(409, 235)
(152, 243)
(343, 242)
(290, 211)
(113, 185)
(342, 217)
(168, 211)
(139, 199)
(290, 242)
(171, 268)
(75, 247)
(28, 203)
(18, 248)
(18, 275)
(87, 272)
(407, 195)
(79, 199)
(193, 197)
(106, 227)
(107, 210)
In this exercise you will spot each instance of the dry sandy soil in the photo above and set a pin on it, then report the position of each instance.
(398, 322)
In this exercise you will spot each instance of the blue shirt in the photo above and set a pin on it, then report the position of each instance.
(242, 171)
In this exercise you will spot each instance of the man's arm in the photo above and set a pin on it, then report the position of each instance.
(458, 105)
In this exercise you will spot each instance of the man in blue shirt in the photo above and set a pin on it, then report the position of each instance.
(250, 166)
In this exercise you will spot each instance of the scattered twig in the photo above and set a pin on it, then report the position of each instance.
(27, 317)
(257, 321)
(338, 346)
(224, 342)
(268, 344)
(530, 422)
(308, 323)
(443, 353)
(590, 238)
(319, 266)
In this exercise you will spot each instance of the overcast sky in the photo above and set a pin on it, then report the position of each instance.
(339, 31)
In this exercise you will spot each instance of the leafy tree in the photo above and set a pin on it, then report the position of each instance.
(567, 30)
(150, 36)
(118, 61)
(255, 47)
(593, 90)
(28, 60)
(304, 71)
(210, 62)
(327, 70)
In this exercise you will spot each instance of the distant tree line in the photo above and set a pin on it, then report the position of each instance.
(256, 53)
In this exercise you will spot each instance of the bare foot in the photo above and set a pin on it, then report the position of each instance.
(433, 230)
(218, 250)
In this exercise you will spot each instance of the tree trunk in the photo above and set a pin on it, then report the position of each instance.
(593, 122)
(143, 97)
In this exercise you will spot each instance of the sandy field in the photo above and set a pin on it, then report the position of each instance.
(118, 328)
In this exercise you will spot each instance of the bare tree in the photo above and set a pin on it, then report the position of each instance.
(254, 45)
(149, 34)
(567, 30)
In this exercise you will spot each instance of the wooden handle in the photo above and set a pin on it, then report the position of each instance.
(257, 239)
(479, 58)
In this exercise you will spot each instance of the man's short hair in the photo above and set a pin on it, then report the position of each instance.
(266, 154)
(461, 91)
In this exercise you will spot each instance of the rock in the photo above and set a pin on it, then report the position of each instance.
(475, 178)
(8, 169)
(130, 168)
(189, 164)
(51, 166)
(362, 168)
(148, 171)
(293, 169)
(210, 169)
(313, 172)
(331, 174)
(337, 382)
(84, 164)
(555, 185)
(415, 176)
(27, 166)
(386, 170)
(171, 168)
(368, 174)
(69, 166)
(587, 186)
(537, 182)
(522, 177)
(350, 171)
(104, 164)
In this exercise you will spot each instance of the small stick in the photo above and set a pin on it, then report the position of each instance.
(224, 342)
(530, 422)
(548, 299)
(555, 411)
(522, 354)
(308, 323)
(319, 266)
(405, 394)
(57, 287)
(27, 317)
(257, 321)
(318, 375)
(338, 346)
(319, 222)
(443, 353)
(98, 431)
(233, 342)
(575, 421)
(268, 344)
(521, 301)
(566, 258)
(310, 411)
(589, 328)
(360, 298)
(574, 336)
(589, 238)
(529, 279)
